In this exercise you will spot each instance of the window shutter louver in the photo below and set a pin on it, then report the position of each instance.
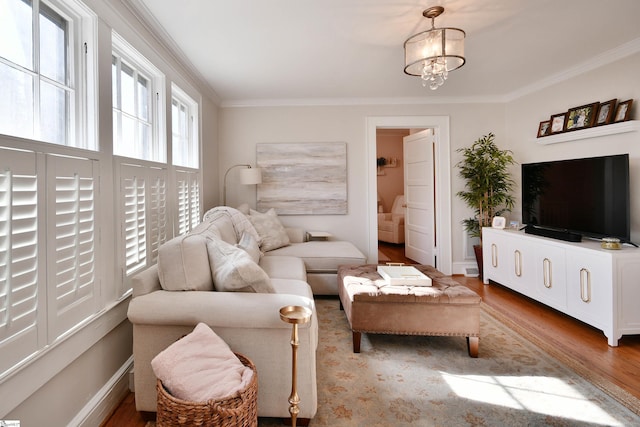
(158, 213)
(188, 200)
(19, 294)
(135, 225)
(183, 202)
(72, 231)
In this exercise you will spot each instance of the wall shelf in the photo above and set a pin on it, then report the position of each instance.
(612, 129)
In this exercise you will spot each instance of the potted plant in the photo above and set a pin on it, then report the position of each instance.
(488, 185)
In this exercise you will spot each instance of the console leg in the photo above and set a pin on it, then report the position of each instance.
(473, 343)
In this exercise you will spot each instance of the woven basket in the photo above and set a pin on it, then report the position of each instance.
(239, 410)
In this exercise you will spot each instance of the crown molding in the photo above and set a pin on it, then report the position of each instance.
(160, 35)
(620, 52)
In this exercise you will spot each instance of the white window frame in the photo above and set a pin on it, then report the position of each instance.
(81, 84)
(125, 53)
(185, 145)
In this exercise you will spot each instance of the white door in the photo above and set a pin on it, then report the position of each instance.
(420, 240)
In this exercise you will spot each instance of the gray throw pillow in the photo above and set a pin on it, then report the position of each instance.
(272, 233)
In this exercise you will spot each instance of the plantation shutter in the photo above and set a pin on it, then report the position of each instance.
(21, 330)
(71, 240)
(135, 224)
(188, 200)
(157, 212)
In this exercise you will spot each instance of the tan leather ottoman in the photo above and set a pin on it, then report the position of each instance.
(444, 309)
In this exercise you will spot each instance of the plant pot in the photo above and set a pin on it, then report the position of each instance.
(477, 249)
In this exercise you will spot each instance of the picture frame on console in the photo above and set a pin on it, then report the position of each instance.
(605, 112)
(581, 117)
(623, 112)
(557, 122)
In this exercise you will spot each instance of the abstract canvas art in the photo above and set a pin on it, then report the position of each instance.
(303, 178)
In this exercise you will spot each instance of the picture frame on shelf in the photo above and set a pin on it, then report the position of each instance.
(623, 111)
(544, 128)
(557, 122)
(581, 117)
(605, 112)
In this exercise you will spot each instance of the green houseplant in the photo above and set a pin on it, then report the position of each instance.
(488, 184)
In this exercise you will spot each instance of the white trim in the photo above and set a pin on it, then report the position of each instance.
(443, 180)
(96, 411)
(27, 378)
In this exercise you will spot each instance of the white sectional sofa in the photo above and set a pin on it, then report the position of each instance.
(187, 287)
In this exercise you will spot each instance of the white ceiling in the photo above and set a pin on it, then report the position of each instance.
(305, 51)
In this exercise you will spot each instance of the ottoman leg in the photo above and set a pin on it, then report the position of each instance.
(472, 344)
(356, 341)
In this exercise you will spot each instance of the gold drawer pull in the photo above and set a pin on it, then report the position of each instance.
(585, 285)
(546, 268)
(518, 263)
(494, 255)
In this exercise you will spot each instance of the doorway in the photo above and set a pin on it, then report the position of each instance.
(440, 124)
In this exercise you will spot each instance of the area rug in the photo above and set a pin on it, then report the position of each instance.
(431, 381)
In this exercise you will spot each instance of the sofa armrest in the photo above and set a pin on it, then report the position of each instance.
(188, 308)
(145, 282)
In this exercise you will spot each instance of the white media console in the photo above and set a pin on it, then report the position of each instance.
(597, 286)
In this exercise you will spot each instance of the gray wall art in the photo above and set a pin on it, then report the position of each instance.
(303, 178)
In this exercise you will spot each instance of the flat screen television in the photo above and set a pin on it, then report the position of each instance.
(579, 197)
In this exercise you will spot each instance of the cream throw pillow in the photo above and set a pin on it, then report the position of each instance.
(271, 231)
(233, 269)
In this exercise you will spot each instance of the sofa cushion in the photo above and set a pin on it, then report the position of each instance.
(249, 244)
(201, 367)
(233, 269)
(284, 267)
(272, 233)
(323, 256)
(183, 264)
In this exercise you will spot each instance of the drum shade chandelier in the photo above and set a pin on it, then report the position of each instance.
(433, 53)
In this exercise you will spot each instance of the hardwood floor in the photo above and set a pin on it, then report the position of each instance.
(585, 344)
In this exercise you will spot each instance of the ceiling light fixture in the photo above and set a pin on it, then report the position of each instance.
(433, 53)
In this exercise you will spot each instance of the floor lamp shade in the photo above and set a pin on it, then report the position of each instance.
(248, 176)
(251, 176)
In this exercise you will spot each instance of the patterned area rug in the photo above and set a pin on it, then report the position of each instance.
(431, 381)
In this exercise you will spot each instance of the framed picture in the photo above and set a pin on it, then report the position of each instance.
(623, 111)
(498, 222)
(544, 128)
(605, 112)
(557, 122)
(581, 117)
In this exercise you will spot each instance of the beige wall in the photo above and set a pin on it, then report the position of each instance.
(391, 182)
(243, 127)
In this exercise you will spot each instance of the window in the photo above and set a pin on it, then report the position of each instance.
(44, 54)
(145, 225)
(138, 89)
(184, 129)
(188, 185)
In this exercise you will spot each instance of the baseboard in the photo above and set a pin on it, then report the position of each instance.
(95, 412)
(460, 268)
